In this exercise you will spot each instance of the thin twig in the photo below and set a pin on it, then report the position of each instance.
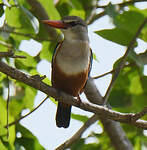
(96, 16)
(122, 62)
(96, 77)
(18, 56)
(140, 114)
(78, 134)
(8, 98)
(123, 4)
(110, 72)
(143, 57)
(93, 11)
(5, 44)
(16, 121)
(103, 13)
(26, 35)
(10, 53)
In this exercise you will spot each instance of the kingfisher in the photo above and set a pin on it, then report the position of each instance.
(71, 62)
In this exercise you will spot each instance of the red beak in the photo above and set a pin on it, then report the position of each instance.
(56, 24)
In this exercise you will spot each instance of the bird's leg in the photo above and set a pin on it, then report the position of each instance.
(38, 77)
(58, 93)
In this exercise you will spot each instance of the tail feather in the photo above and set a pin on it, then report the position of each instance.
(63, 115)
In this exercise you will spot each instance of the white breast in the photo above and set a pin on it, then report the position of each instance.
(74, 57)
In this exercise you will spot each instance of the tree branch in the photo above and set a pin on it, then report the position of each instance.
(103, 13)
(11, 54)
(25, 35)
(63, 97)
(5, 44)
(123, 60)
(114, 130)
(110, 72)
(123, 4)
(143, 57)
(78, 134)
(96, 16)
(16, 121)
(93, 11)
(102, 75)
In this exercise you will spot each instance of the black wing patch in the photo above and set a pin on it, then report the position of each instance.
(91, 61)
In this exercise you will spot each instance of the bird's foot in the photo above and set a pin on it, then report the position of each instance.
(79, 99)
(38, 77)
(58, 93)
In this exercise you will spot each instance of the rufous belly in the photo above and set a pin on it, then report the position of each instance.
(70, 84)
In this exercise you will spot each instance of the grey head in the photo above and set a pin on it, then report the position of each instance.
(76, 28)
(73, 27)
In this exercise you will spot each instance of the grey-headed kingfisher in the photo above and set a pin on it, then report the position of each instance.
(71, 62)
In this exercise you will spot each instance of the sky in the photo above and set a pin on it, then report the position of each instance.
(42, 122)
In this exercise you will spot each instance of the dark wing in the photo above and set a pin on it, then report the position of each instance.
(91, 61)
(55, 50)
(89, 69)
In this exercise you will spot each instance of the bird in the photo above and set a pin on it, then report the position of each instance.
(71, 62)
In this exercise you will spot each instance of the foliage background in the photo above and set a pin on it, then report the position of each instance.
(23, 22)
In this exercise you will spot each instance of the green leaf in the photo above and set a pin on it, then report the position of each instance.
(117, 35)
(143, 34)
(3, 34)
(23, 99)
(79, 117)
(135, 84)
(78, 145)
(87, 6)
(3, 120)
(27, 139)
(14, 19)
(133, 56)
(3, 48)
(47, 50)
(2, 146)
(111, 10)
(94, 57)
(137, 143)
(79, 13)
(125, 29)
(16, 107)
(32, 19)
(142, 11)
(77, 9)
(29, 97)
(76, 4)
(122, 21)
(67, 7)
(29, 61)
(64, 7)
(120, 95)
(2, 76)
(50, 9)
(129, 90)
(139, 92)
(1, 9)
(6, 3)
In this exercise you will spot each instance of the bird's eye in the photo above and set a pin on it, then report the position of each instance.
(73, 23)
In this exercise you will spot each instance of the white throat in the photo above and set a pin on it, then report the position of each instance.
(74, 56)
